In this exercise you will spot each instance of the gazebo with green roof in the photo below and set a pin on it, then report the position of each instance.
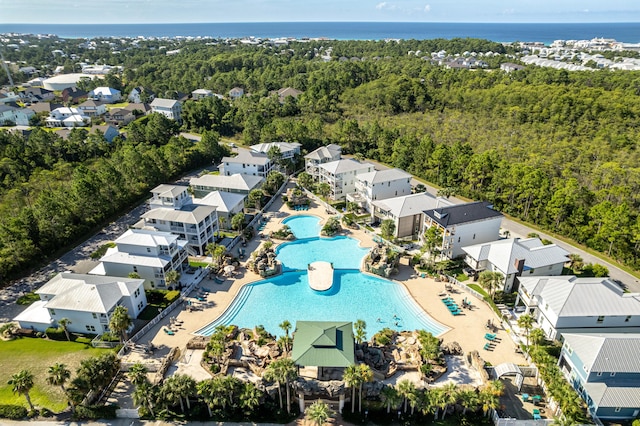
(323, 344)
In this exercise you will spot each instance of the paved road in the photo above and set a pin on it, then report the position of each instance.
(626, 280)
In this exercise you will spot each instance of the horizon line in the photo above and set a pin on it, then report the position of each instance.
(325, 22)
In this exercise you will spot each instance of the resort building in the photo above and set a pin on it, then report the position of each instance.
(462, 225)
(227, 205)
(247, 163)
(172, 210)
(515, 257)
(605, 371)
(379, 185)
(288, 150)
(86, 300)
(105, 94)
(150, 254)
(238, 184)
(170, 108)
(406, 212)
(324, 154)
(341, 176)
(321, 347)
(566, 304)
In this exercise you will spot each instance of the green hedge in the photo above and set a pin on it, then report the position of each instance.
(54, 333)
(13, 412)
(171, 296)
(95, 412)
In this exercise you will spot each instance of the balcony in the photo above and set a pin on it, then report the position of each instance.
(176, 228)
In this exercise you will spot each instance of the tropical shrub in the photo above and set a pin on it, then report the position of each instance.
(13, 412)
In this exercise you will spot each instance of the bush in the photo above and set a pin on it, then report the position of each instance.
(27, 299)
(95, 412)
(85, 340)
(171, 296)
(13, 412)
(101, 251)
(56, 333)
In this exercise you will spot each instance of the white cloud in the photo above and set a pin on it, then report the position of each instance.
(427, 8)
(381, 5)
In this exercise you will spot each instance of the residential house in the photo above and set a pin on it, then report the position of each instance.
(119, 117)
(515, 257)
(172, 210)
(238, 183)
(379, 185)
(44, 107)
(247, 163)
(284, 92)
(74, 95)
(566, 304)
(509, 66)
(92, 108)
(605, 370)
(37, 94)
(170, 108)
(341, 176)
(105, 94)
(323, 344)
(139, 109)
(462, 225)
(406, 211)
(324, 154)
(150, 254)
(288, 150)
(8, 97)
(235, 93)
(109, 132)
(67, 117)
(227, 205)
(201, 94)
(15, 116)
(88, 301)
(141, 95)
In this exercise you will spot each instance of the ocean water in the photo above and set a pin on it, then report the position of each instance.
(501, 32)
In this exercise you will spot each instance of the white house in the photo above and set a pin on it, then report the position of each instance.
(406, 211)
(67, 117)
(247, 163)
(515, 257)
(288, 149)
(172, 210)
(140, 94)
(341, 176)
(324, 154)
(92, 108)
(463, 225)
(201, 94)
(235, 93)
(227, 205)
(150, 254)
(17, 116)
(566, 304)
(105, 94)
(86, 300)
(238, 183)
(379, 185)
(170, 108)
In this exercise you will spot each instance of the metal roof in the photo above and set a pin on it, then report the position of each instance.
(190, 213)
(609, 353)
(282, 146)
(223, 201)
(164, 103)
(146, 238)
(409, 205)
(345, 165)
(236, 181)
(169, 191)
(324, 152)
(248, 157)
(387, 175)
(462, 213)
(323, 344)
(613, 396)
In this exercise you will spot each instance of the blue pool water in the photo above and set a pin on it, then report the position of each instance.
(353, 296)
(303, 226)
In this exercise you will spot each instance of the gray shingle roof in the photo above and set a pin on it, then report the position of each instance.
(462, 213)
(324, 152)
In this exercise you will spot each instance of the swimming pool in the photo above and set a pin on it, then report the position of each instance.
(303, 226)
(354, 296)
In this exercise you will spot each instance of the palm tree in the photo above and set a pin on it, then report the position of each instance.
(186, 387)
(318, 412)
(59, 374)
(489, 400)
(469, 399)
(282, 370)
(65, 323)
(406, 388)
(526, 322)
(120, 321)
(324, 189)
(216, 251)
(360, 331)
(250, 397)
(450, 391)
(351, 377)
(575, 261)
(144, 395)
(490, 280)
(205, 391)
(366, 376)
(285, 326)
(171, 278)
(138, 374)
(537, 337)
(437, 400)
(390, 396)
(284, 342)
(22, 382)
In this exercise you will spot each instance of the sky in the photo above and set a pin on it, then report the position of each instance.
(185, 11)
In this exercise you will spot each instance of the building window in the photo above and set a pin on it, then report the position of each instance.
(148, 249)
(90, 328)
(52, 311)
(618, 409)
(135, 269)
(600, 319)
(612, 374)
(599, 373)
(474, 236)
(94, 315)
(627, 318)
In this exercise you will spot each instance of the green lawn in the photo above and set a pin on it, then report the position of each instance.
(37, 355)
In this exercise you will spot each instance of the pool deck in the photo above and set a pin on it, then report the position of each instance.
(320, 275)
(467, 329)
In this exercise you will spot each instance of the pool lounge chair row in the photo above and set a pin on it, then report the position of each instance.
(452, 306)
(302, 207)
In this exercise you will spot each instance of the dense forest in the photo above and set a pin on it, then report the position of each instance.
(552, 147)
